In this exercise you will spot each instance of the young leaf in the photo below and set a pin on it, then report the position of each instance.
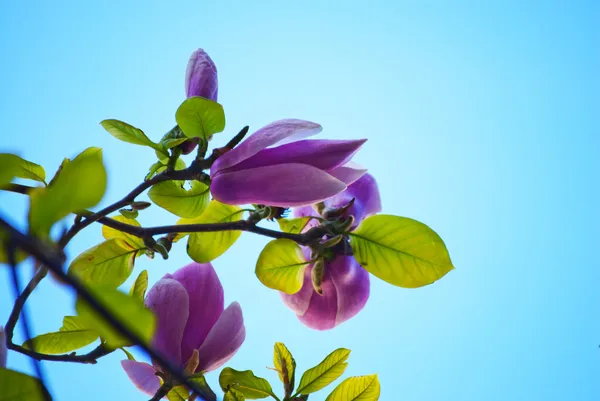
(171, 196)
(205, 247)
(200, 117)
(129, 311)
(285, 366)
(109, 263)
(294, 226)
(233, 395)
(129, 133)
(131, 240)
(325, 373)
(245, 382)
(127, 354)
(72, 336)
(138, 289)
(8, 168)
(17, 167)
(129, 213)
(281, 266)
(178, 393)
(359, 388)
(19, 386)
(200, 382)
(401, 251)
(79, 185)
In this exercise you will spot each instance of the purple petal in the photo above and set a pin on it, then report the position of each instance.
(142, 375)
(169, 301)
(224, 340)
(3, 349)
(300, 301)
(284, 185)
(322, 154)
(206, 304)
(352, 285)
(201, 76)
(366, 199)
(278, 132)
(348, 173)
(322, 310)
(345, 292)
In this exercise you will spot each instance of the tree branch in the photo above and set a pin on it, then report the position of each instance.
(89, 358)
(49, 258)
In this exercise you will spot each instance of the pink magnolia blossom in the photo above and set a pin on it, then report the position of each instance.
(275, 167)
(190, 317)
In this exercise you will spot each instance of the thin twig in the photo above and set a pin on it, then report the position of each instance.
(25, 319)
(47, 256)
(162, 391)
(89, 358)
(20, 302)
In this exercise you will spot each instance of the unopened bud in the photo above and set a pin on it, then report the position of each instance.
(316, 275)
(342, 227)
(331, 213)
(140, 205)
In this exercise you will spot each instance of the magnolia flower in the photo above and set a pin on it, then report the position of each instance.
(3, 349)
(274, 167)
(200, 80)
(345, 285)
(192, 327)
(345, 289)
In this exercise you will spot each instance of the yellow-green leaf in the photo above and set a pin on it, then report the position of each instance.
(199, 381)
(178, 393)
(131, 240)
(79, 185)
(109, 263)
(205, 247)
(72, 336)
(130, 134)
(245, 382)
(233, 395)
(17, 386)
(359, 388)
(138, 289)
(17, 167)
(332, 367)
(285, 366)
(128, 310)
(401, 251)
(281, 266)
(200, 117)
(294, 226)
(170, 195)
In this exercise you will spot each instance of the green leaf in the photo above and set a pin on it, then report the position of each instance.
(129, 214)
(205, 247)
(332, 367)
(171, 196)
(245, 382)
(72, 335)
(285, 366)
(138, 289)
(233, 395)
(79, 185)
(8, 168)
(179, 165)
(131, 240)
(401, 251)
(281, 266)
(294, 226)
(129, 133)
(128, 310)
(153, 170)
(178, 393)
(359, 388)
(173, 138)
(200, 382)
(109, 263)
(14, 166)
(200, 117)
(17, 386)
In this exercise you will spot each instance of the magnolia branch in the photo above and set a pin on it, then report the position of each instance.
(53, 260)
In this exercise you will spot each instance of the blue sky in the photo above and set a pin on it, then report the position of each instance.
(482, 120)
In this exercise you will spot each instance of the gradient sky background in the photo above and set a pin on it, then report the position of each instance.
(482, 119)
